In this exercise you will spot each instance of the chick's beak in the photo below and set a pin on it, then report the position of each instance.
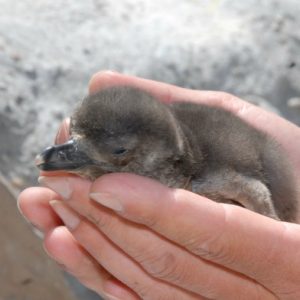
(66, 156)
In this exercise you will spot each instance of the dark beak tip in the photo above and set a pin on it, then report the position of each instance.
(61, 157)
(45, 158)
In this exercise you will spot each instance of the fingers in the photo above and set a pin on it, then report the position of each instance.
(115, 261)
(209, 230)
(61, 246)
(163, 91)
(34, 206)
(165, 261)
(63, 133)
(135, 240)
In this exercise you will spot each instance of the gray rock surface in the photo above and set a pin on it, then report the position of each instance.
(49, 50)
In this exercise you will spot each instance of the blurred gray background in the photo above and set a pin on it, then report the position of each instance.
(50, 49)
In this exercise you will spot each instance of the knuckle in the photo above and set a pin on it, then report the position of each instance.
(211, 250)
(214, 248)
(224, 99)
(163, 266)
(154, 290)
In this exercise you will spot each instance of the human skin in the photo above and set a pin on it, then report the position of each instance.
(129, 237)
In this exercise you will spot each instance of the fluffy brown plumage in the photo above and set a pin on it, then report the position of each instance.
(205, 149)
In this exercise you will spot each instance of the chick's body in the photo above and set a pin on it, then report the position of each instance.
(205, 149)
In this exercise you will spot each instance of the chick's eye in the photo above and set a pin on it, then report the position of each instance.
(119, 151)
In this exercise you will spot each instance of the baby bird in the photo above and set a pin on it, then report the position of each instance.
(206, 150)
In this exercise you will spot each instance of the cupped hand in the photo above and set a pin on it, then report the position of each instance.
(130, 237)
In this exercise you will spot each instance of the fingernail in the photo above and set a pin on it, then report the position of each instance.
(70, 219)
(60, 185)
(108, 200)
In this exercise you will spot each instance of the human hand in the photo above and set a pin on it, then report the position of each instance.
(210, 251)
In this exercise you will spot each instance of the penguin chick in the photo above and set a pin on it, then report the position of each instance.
(203, 149)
